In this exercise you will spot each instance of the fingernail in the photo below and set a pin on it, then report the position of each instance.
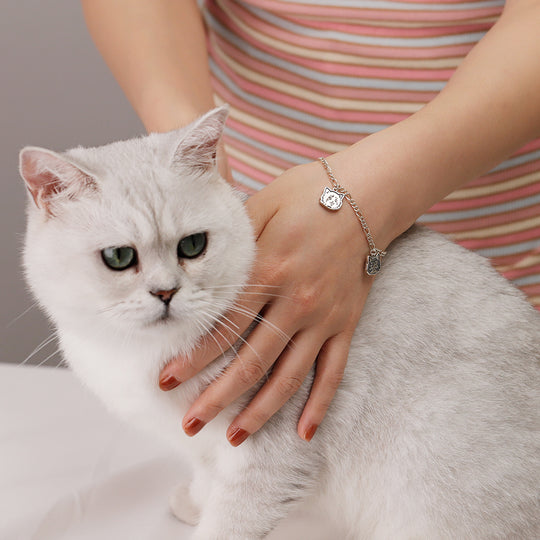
(193, 426)
(168, 382)
(310, 431)
(237, 436)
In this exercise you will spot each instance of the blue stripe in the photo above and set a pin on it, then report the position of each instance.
(282, 110)
(513, 249)
(247, 181)
(295, 159)
(358, 39)
(333, 80)
(405, 6)
(519, 160)
(527, 280)
(480, 212)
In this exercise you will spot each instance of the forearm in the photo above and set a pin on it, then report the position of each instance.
(489, 109)
(156, 50)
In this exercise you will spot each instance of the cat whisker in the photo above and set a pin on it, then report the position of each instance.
(240, 286)
(33, 305)
(243, 292)
(234, 332)
(61, 362)
(113, 306)
(206, 332)
(262, 320)
(44, 343)
(214, 316)
(252, 314)
(48, 357)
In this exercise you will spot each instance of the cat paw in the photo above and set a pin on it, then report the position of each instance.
(182, 506)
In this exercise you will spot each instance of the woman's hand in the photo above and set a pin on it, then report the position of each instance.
(310, 284)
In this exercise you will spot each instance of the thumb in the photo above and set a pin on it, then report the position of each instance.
(261, 208)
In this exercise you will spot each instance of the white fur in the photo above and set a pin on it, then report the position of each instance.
(434, 432)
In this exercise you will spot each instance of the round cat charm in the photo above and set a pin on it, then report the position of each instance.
(332, 199)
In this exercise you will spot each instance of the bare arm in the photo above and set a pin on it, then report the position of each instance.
(156, 50)
(488, 110)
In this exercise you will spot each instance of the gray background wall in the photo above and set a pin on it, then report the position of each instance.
(56, 92)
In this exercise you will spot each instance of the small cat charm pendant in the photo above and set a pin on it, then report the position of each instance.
(331, 199)
(373, 262)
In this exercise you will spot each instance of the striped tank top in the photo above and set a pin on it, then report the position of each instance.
(306, 78)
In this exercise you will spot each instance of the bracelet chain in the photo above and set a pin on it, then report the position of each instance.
(373, 264)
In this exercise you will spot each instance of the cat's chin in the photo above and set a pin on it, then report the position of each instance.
(165, 319)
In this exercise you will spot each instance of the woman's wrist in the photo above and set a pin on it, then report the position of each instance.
(399, 173)
(375, 172)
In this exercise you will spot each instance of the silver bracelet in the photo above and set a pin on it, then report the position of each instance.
(333, 200)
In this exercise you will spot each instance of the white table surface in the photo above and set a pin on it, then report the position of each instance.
(70, 470)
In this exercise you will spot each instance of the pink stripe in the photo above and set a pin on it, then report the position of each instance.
(529, 147)
(508, 260)
(450, 227)
(287, 36)
(373, 72)
(314, 131)
(279, 4)
(522, 272)
(507, 239)
(506, 174)
(296, 80)
(358, 13)
(272, 140)
(395, 31)
(478, 202)
(338, 46)
(531, 290)
(252, 151)
(312, 108)
(250, 172)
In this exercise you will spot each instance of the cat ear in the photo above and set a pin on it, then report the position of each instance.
(198, 147)
(50, 177)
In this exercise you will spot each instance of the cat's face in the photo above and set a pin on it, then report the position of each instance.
(140, 236)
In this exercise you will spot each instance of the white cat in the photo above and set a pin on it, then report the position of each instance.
(134, 249)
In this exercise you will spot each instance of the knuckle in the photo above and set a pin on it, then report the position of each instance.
(287, 386)
(226, 336)
(213, 409)
(250, 372)
(273, 272)
(305, 300)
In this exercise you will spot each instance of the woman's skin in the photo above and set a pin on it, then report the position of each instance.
(309, 277)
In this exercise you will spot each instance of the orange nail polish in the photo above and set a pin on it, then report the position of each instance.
(310, 431)
(193, 426)
(237, 436)
(168, 382)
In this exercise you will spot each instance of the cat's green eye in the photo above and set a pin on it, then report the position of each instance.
(191, 246)
(119, 258)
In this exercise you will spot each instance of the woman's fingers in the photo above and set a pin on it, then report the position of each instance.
(287, 376)
(252, 363)
(329, 370)
(310, 260)
(226, 332)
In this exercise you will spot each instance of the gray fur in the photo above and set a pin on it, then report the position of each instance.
(434, 432)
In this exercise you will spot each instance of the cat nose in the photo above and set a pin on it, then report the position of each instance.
(165, 296)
